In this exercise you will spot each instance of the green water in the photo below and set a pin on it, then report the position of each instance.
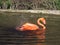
(9, 36)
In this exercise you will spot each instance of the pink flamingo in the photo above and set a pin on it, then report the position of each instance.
(30, 26)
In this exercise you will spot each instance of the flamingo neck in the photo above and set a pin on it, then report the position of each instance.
(39, 23)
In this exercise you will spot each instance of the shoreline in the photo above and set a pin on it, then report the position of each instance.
(56, 12)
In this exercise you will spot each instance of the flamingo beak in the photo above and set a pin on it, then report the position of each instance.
(44, 21)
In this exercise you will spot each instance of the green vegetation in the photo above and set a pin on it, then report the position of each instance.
(58, 4)
(30, 4)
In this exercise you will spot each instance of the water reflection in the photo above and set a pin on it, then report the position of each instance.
(33, 38)
(13, 37)
(41, 44)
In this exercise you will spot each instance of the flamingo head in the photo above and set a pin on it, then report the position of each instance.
(43, 20)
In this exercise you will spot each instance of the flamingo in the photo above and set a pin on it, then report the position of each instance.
(40, 32)
(32, 27)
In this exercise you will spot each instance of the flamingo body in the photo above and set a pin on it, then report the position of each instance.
(29, 26)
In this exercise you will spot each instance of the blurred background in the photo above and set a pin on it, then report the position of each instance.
(30, 4)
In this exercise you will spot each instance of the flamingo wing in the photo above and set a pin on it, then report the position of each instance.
(29, 26)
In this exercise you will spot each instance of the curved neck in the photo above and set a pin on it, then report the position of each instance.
(39, 23)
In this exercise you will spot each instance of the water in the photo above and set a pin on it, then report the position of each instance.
(10, 36)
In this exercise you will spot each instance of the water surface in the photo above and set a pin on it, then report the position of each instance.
(10, 36)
